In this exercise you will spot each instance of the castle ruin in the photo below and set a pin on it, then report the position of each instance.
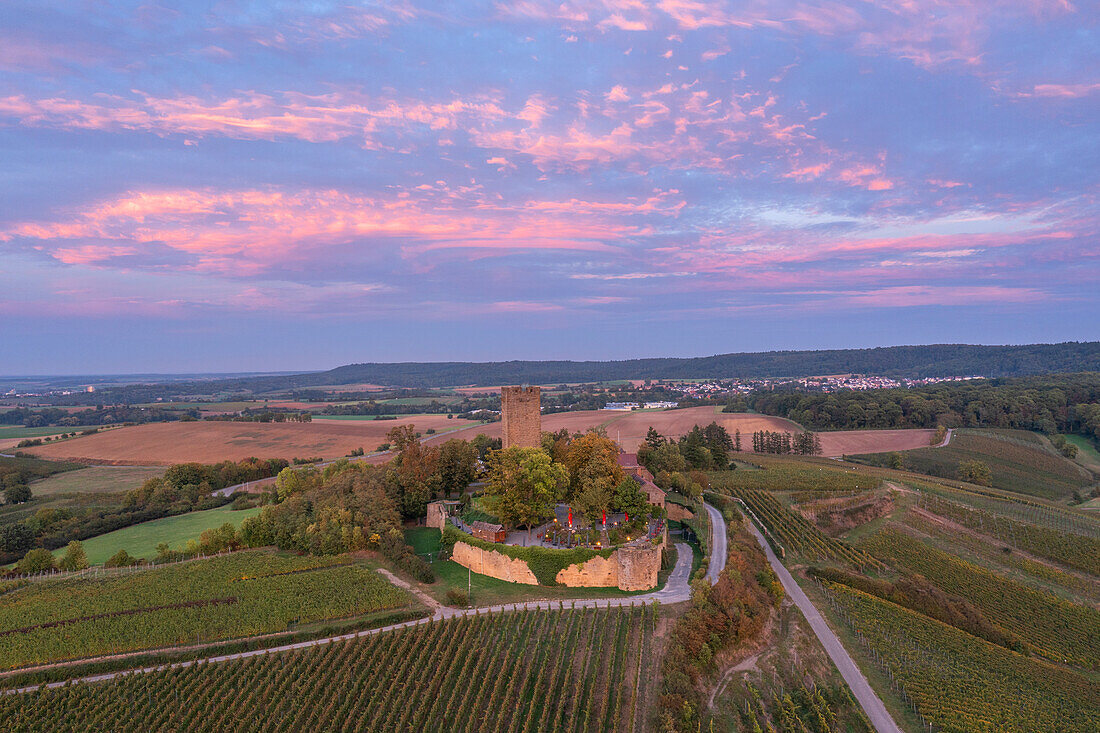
(521, 416)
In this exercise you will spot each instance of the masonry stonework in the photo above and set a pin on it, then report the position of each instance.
(493, 564)
(521, 416)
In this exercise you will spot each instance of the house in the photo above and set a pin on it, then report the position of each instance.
(488, 532)
(631, 467)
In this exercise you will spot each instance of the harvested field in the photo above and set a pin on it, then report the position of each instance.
(849, 442)
(629, 428)
(160, 444)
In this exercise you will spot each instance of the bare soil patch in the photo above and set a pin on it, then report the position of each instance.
(159, 444)
(849, 442)
(836, 516)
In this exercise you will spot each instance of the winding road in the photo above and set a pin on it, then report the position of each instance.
(718, 544)
(877, 713)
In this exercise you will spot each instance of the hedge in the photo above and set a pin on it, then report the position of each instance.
(544, 562)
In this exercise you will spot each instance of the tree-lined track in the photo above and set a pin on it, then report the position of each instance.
(514, 671)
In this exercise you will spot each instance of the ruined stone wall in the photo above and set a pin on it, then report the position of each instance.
(628, 568)
(437, 516)
(521, 416)
(493, 564)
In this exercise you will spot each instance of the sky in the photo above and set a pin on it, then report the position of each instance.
(259, 185)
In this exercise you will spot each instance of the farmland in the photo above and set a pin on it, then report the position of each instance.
(1051, 627)
(520, 671)
(1017, 464)
(237, 595)
(159, 444)
(94, 480)
(964, 684)
(141, 540)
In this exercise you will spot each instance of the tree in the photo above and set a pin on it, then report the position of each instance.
(523, 486)
(654, 439)
(17, 494)
(975, 472)
(16, 538)
(37, 560)
(414, 478)
(292, 481)
(457, 466)
(628, 497)
(594, 470)
(74, 558)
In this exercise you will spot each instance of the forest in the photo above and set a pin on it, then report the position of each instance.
(1064, 403)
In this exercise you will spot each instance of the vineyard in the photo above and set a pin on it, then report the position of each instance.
(795, 534)
(817, 476)
(559, 670)
(1069, 548)
(1017, 465)
(1050, 626)
(237, 595)
(962, 684)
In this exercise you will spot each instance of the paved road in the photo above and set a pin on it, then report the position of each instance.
(880, 718)
(676, 590)
(718, 544)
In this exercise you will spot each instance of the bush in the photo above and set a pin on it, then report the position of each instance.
(244, 501)
(392, 545)
(37, 560)
(457, 598)
(120, 559)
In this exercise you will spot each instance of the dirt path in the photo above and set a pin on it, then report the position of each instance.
(676, 590)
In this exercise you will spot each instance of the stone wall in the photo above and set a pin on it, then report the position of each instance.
(493, 564)
(628, 568)
(437, 515)
(521, 416)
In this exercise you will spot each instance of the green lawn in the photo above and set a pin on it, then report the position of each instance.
(141, 540)
(1086, 451)
(95, 480)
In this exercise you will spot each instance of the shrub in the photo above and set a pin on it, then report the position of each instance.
(457, 598)
(37, 560)
(392, 544)
(120, 559)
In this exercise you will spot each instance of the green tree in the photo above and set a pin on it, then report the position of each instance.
(17, 494)
(74, 558)
(457, 466)
(975, 472)
(628, 497)
(523, 485)
(37, 560)
(594, 472)
(16, 538)
(292, 481)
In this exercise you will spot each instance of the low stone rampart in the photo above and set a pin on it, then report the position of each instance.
(628, 568)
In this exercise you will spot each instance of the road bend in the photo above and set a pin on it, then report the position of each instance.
(676, 590)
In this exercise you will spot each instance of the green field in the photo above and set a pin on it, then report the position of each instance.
(95, 480)
(232, 596)
(559, 670)
(1017, 464)
(1087, 455)
(141, 540)
(18, 431)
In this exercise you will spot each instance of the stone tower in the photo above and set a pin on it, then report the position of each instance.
(521, 416)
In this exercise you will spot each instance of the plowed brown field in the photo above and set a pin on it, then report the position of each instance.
(873, 441)
(159, 444)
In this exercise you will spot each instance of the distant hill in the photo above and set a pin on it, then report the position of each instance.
(892, 361)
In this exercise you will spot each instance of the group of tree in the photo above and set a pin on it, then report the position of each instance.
(803, 443)
(346, 506)
(678, 464)
(581, 470)
(1064, 403)
(99, 415)
(265, 415)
